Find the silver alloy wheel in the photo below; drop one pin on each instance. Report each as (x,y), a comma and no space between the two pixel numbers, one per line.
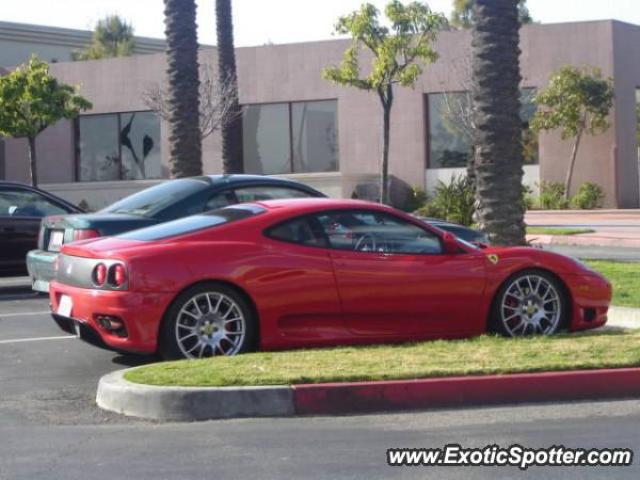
(531,304)
(208,324)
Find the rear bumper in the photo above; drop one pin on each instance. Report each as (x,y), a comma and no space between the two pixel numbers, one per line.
(40,266)
(140,313)
(591,295)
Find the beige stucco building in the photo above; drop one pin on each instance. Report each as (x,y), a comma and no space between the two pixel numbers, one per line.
(297,124)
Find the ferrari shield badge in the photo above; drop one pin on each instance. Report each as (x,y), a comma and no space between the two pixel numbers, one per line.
(493,258)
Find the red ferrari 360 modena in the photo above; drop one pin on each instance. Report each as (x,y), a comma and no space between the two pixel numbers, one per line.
(311,272)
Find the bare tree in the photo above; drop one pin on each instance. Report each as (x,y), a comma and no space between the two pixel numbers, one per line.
(216,101)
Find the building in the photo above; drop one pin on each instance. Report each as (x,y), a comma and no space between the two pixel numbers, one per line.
(18,41)
(298,125)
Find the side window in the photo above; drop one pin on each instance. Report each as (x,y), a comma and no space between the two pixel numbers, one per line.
(255,194)
(303,231)
(219,200)
(24,203)
(368,231)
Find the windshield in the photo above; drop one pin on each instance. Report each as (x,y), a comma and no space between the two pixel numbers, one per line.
(193,223)
(151,201)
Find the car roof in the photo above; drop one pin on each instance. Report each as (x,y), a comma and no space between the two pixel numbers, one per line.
(237,179)
(11,184)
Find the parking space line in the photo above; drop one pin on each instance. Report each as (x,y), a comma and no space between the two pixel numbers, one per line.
(35,339)
(23,314)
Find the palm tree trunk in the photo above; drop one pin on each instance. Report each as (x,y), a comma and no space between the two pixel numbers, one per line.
(185,141)
(572,163)
(231,128)
(386,97)
(498,134)
(33,161)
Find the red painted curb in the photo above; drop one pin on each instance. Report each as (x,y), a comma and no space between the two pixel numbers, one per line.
(356,397)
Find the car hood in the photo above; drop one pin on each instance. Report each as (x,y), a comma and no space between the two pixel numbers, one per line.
(105,223)
(535,257)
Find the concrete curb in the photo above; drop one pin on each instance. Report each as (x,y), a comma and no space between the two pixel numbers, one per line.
(623,317)
(589,240)
(465,391)
(193,403)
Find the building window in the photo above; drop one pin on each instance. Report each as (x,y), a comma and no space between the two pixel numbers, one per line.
(118,146)
(451,130)
(299,137)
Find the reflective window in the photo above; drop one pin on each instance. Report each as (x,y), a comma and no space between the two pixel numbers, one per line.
(366,231)
(24,203)
(99,157)
(220,200)
(450,135)
(119,146)
(256,194)
(451,129)
(303,231)
(193,223)
(265,133)
(291,137)
(140,145)
(314,136)
(529,137)
(152,201)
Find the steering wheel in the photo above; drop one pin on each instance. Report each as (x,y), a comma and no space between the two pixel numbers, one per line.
(366,243)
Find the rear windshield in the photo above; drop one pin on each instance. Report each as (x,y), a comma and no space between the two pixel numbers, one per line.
(149,202)
(194,223)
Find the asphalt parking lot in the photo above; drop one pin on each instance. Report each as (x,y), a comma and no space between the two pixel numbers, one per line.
(50,427)
(47,375)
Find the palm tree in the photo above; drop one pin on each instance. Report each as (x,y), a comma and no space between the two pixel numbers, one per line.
(496,97)
(112,37)
(185,143)
(230,130)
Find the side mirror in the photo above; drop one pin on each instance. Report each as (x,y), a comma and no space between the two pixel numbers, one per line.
(450,243)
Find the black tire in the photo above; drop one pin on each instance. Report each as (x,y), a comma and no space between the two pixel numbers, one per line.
(168,345)
(497,323)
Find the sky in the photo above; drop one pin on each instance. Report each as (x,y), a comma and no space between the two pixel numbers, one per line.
(274,21)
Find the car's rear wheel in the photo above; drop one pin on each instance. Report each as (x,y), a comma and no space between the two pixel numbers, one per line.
(531,302)
(206,320)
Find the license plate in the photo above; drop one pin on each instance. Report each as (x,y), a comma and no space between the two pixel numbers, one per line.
(55,240)
(65,306)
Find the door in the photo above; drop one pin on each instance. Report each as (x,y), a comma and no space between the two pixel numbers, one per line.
(21,211)
(394,277)
(299,285)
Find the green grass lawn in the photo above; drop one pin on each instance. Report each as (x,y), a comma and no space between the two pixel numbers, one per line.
(482,355)
(625,278)
(557,231)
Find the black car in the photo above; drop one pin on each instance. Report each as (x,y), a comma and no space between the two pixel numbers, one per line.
(157,204)
(22,208)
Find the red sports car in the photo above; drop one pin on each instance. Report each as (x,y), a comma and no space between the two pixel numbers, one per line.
(311,272)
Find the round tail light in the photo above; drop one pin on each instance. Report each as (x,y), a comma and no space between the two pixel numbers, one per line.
(118,275)
(100,274)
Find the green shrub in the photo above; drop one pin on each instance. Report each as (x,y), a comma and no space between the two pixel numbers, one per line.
(417,199)
(552,196)
(528,198)
(454,202)
(588,197)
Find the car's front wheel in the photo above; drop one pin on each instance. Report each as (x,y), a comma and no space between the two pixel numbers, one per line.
(529,303)
(206,320)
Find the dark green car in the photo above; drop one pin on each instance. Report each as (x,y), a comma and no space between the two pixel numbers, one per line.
(161,203)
